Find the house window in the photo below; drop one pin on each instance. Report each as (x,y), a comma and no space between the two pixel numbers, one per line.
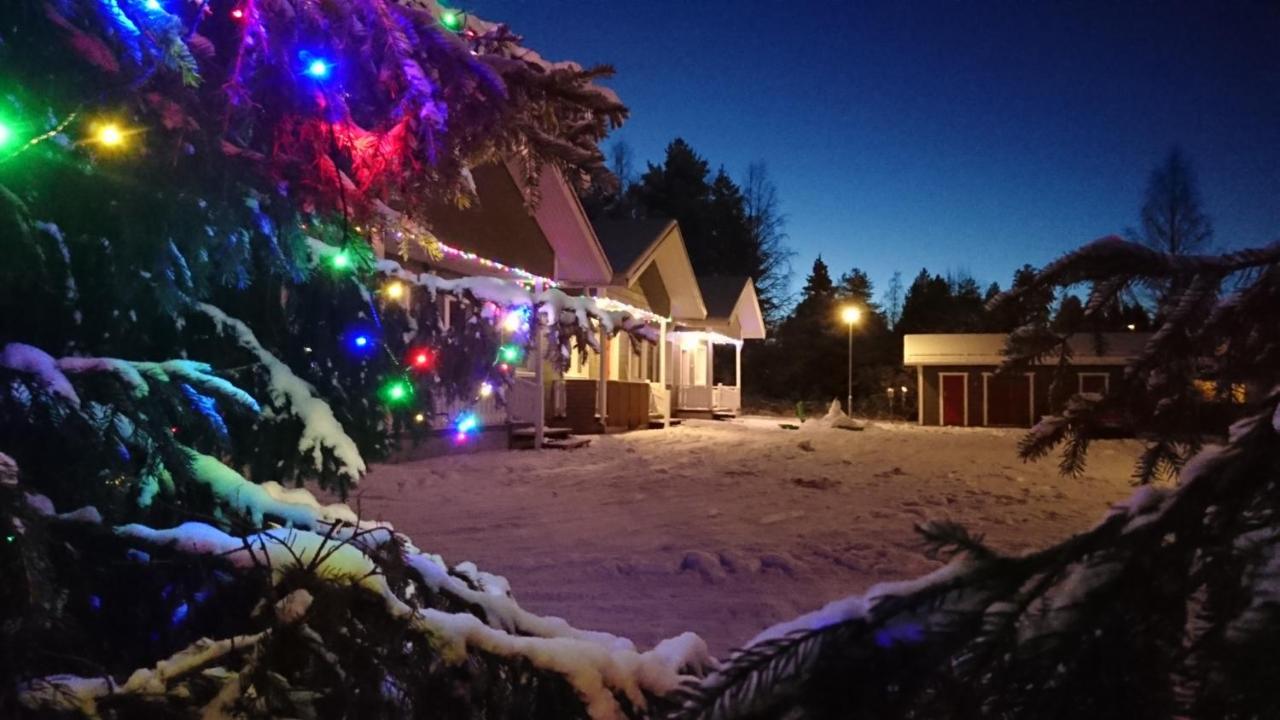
(1094,383)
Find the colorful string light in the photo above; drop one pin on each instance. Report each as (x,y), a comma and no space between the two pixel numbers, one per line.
(465,424)
(397,392)
(420,359)
(612,305)
(452,20)
(109,135)
(394,290)
(6,134)
(513,320)
(495,265)
(318,69)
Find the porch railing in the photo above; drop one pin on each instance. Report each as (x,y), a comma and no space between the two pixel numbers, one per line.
(708,397)
(727,397)
(522,400)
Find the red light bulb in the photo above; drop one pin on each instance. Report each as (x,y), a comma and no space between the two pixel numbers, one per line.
(237,14)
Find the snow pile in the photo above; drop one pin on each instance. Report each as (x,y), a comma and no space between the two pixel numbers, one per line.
(320,429)
(835,418)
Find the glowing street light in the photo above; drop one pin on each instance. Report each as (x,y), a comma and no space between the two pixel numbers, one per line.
(850,314)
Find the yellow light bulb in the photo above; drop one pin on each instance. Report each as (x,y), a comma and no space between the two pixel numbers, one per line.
(110,135)
(395,290)
(850,315)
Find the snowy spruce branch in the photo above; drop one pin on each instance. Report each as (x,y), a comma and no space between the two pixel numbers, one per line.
(609,676)
(1002,627)
(322,435)
(1205,337)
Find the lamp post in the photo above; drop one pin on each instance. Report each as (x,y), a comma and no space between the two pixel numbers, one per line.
(850,314)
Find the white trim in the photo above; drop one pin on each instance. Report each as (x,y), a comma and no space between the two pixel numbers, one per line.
(1106,381)
(920,395)
(1031,402)
(986,398)
(942,396)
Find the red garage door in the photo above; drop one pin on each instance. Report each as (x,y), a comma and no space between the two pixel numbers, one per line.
(1008,401)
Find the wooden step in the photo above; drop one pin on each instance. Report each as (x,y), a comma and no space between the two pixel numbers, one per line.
(570,443)
(548,433)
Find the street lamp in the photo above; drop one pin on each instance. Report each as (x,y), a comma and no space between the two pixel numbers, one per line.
(851,315)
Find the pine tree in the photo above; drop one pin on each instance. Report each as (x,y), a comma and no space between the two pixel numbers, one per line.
(1166,608)
(893,298)
(927,305)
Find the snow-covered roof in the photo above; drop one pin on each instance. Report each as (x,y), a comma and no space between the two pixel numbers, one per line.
(1117,348)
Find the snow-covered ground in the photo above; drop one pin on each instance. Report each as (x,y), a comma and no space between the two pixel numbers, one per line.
(724,528)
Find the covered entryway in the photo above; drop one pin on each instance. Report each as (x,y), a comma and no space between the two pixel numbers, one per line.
(1007,400)
(954,398)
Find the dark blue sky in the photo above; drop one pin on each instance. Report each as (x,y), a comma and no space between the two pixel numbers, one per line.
(967,135)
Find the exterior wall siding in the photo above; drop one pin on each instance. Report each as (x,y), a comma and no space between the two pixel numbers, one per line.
(931,388)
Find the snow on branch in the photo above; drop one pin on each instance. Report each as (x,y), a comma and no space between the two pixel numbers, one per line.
(52,373)
(598,671)
(321,430)
(297,507)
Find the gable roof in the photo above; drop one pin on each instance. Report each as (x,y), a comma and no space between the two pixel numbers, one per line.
(725,295)
(721,293)
(628,243)
(579,257)
(635,246)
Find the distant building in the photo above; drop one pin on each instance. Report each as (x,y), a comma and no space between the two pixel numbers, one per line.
(957,385)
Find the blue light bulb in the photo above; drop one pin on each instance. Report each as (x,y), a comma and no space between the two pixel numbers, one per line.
(318,69)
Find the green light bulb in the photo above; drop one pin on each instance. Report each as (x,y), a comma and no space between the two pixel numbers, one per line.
(452,20)
(396,391)
(6,134)
(341,261)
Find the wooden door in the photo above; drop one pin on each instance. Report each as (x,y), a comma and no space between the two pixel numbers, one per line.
(953,399)
(1008,401)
